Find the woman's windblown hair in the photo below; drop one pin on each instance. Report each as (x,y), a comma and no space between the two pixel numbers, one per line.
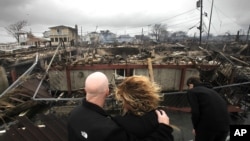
(138,95)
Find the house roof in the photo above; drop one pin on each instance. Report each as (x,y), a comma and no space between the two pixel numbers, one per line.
(51,127)
(62,26)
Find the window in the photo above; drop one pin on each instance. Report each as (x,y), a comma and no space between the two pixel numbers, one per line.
(124,72)
(65,39)
(52,39)
(120,72)
(59,31)
(56,39)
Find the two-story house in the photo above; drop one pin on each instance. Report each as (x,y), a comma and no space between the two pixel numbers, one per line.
(67,35)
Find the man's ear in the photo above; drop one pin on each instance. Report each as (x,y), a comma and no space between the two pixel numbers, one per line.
(107,92)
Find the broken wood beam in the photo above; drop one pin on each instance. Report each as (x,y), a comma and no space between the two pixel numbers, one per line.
(150,70)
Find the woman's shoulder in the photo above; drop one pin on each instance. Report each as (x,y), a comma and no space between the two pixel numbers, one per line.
(138,125)
(128,118)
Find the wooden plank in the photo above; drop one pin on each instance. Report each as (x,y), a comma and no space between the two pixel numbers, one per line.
(150,70)
(13,135)
(34,130)
(60,124)
(31,86)
(20,108)
(16,99)
(58,129)
(27,135)
(16,133)
(7,104)
(49,134)
(23,95)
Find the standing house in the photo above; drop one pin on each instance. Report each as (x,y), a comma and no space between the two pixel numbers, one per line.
(125,39)
(104,37)
(36,41)
(107,37)
(67,35)
(92,38)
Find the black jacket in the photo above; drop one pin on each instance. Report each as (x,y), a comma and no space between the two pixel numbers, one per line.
(141,126)
(209,109)
(91,123)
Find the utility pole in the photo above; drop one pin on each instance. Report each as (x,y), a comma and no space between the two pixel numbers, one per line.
(247,41)
(210,19)
(81,36)
(201,5)
(248,35)
(142,35)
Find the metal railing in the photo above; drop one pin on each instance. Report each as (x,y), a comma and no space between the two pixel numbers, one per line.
(21,79)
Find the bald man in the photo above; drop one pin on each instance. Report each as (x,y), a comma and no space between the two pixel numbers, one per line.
(90,122)
(97,88)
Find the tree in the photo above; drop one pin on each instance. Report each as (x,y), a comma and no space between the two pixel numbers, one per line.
(178,35)
(159,32)
(15,29)
(164,35)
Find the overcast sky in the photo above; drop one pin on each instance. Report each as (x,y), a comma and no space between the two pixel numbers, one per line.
(124,16)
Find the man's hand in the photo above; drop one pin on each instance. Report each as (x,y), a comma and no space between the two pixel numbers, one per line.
(162,117)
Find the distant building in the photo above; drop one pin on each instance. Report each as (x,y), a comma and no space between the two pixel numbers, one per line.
(125,39)
(232,38)
(139,39)
(85,39)
(22,37)
(30,40)
(107,37)
(46,34)
(91,38)
(36,41)
(178,36)
(65,34)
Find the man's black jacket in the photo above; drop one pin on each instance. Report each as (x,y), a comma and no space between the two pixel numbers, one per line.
(91,123)
(209,109)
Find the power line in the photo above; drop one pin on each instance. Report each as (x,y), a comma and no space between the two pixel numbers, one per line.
(160,21)
(174,16)
(184,22)
(217,9)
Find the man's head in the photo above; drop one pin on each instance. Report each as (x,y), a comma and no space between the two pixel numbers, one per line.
(193,81)
(96,86)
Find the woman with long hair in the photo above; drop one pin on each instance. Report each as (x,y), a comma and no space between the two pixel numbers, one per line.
(139,98)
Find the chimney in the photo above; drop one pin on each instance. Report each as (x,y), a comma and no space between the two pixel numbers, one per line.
(76,30)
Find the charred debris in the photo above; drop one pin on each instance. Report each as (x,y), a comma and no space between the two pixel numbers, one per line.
(49,80)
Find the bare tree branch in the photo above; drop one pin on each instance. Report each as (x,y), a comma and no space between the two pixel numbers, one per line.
(16,29)
(159,31)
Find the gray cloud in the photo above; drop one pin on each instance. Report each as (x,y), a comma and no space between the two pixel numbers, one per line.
(42,14)
(12,10)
